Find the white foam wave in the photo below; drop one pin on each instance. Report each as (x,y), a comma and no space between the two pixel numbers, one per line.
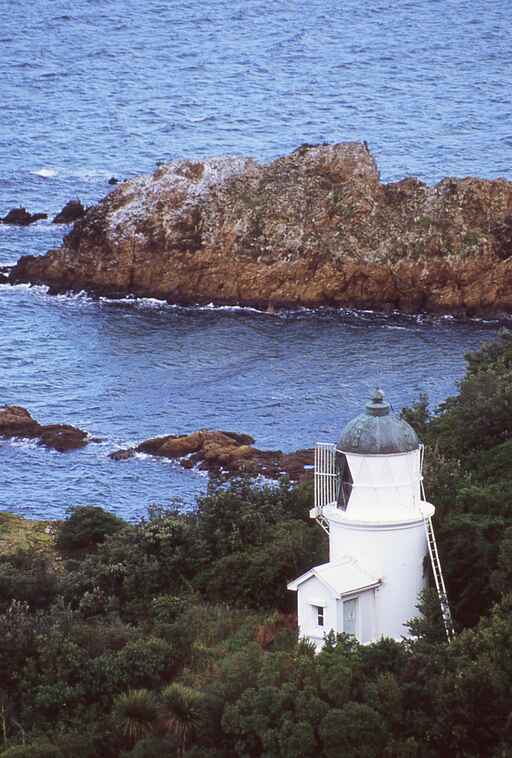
(47,172)
(84,173)
(36,289)
(234,309)
(70,296)
(151,302)
(141,303)
(201,119)
(368,316)
(24,442)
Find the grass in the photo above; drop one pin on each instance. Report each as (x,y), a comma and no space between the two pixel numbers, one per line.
(18,533)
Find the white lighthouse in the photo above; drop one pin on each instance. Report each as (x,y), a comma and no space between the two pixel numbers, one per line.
(369,498)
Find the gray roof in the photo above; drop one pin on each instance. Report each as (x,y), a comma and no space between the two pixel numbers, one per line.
(344,577)
(378,431)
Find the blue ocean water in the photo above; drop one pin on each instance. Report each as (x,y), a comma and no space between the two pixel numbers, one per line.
(107,88)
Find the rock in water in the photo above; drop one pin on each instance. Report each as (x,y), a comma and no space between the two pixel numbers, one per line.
(122,455)
(225,453)
(72,211)
(62,437)
(316,227)
(16,421)
(21,217)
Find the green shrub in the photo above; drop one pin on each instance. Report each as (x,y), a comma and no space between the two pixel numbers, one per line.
(146,662)
(134,714)
(85,528)
(27,577)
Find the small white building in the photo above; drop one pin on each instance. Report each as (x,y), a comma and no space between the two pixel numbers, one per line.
(368,498)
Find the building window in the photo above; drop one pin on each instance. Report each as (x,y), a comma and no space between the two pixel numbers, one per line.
(350,620)
(345,480)
(319,615)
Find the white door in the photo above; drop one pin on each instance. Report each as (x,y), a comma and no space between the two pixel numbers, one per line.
(350,616)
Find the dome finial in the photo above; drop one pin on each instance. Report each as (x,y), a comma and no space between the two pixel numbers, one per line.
(377,406)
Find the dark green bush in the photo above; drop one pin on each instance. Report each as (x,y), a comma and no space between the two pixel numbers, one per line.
(27,577)
(85,528)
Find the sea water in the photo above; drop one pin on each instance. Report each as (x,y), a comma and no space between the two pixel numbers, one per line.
(110,88)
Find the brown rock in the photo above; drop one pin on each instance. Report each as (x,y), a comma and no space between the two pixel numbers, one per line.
(316,227)
(228,453)
(241,439)
(16,421)
(21,217)
(177,447)
(72,211)
(63,437)
(172,446)
(122,455)
(299,465)
(152,446)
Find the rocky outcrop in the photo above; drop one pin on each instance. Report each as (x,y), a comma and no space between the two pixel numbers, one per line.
(16,421)
(316,227)
(72,211)
(21,217)
(225,453)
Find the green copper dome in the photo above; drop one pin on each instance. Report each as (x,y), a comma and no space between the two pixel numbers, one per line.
(377,431)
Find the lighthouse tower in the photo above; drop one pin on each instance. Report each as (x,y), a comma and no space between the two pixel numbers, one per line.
(369,499)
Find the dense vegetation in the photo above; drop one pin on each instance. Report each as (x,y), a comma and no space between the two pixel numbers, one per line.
(176,637)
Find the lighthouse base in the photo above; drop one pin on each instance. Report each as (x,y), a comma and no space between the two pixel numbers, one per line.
(370,588)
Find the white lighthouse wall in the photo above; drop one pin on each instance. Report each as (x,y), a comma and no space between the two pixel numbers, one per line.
(310,594)
(393,553)
(384,486)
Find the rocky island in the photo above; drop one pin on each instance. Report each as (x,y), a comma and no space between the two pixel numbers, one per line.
(16,421)
(313,228)
(225,453)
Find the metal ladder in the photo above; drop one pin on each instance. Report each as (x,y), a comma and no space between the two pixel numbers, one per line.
(326,480)
(438,578)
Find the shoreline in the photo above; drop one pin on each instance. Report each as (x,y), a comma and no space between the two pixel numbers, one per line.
(262,307)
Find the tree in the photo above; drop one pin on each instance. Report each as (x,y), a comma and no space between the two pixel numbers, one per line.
(297,740)
(501,579)
(181,709)
(480,416)
(418,416)
(469,546)
(134,714)
(355,730)
(85,528)
(29,577)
